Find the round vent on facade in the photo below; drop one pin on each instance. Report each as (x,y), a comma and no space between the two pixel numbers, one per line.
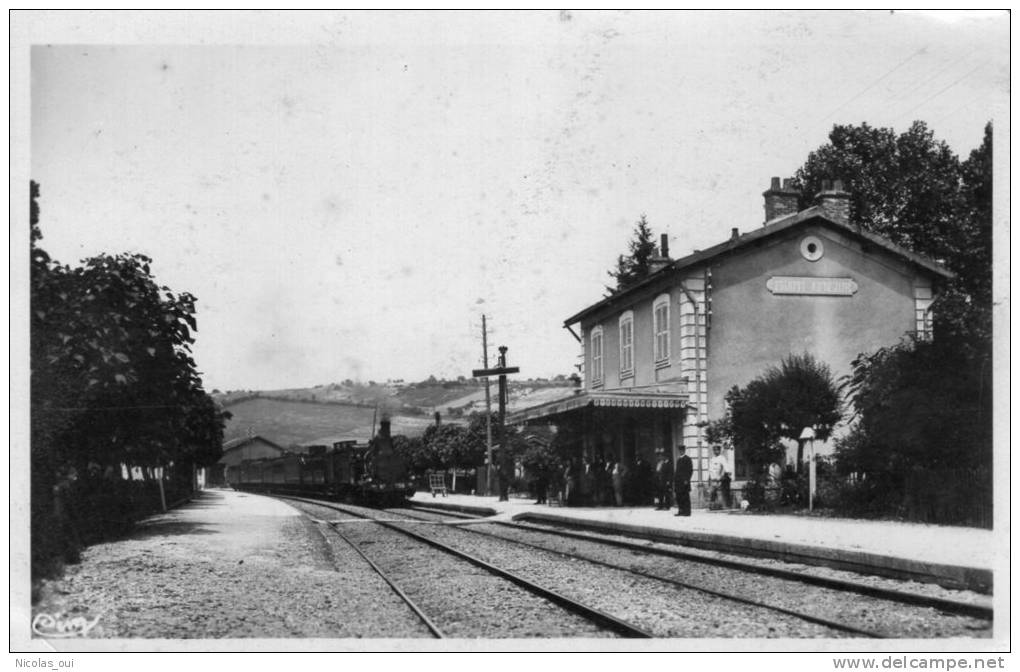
(811,248)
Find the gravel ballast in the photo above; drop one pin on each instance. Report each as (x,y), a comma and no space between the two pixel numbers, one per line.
(463,600)
(867,613)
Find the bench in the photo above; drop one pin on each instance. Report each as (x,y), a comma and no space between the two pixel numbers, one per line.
(437,483)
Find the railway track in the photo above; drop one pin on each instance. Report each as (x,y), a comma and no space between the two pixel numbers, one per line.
(429,624)
(976,618)
(970,609)
(600,623)
(680,592)
(825,622)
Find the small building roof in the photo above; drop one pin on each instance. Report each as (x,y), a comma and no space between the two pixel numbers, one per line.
(231,448)
(245,440)
(814,214)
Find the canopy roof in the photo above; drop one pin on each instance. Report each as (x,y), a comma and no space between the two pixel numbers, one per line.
(616,399)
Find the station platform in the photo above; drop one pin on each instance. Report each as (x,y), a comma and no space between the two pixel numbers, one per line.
(955,557)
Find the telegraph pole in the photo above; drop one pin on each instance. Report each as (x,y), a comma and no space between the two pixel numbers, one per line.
(488,412)
(505,460)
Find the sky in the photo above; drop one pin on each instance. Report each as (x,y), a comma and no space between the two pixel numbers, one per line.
(347,193)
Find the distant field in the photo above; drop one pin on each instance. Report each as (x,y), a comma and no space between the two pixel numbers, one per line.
(430,396)
(288,422)
(303,415)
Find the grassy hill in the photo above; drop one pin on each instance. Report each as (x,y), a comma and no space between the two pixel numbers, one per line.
(302,415)
(288,422)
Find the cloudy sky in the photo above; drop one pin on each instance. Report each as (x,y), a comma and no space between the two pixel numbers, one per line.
(348,193)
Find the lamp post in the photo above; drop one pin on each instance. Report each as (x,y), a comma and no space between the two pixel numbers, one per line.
(809,435)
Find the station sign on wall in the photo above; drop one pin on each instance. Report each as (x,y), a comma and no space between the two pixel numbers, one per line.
(811,286)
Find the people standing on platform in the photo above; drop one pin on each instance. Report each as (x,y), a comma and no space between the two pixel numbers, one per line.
(619,476)
(586,486)
(724,486)
(570,477)
(598,481)
(682,482)
(644,489)
(718,477)
(663,480)
(541,486)
(773,479)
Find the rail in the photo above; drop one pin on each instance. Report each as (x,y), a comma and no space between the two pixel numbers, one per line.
(957,607)
(608,621)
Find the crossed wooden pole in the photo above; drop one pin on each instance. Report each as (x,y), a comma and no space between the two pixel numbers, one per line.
(506,466)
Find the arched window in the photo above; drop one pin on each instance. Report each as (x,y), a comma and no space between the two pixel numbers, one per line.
(660,322)
(627,344)
(596,355)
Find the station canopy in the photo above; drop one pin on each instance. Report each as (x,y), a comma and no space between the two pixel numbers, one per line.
(598,399)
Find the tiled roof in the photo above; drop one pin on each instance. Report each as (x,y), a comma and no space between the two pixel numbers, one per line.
(812,214)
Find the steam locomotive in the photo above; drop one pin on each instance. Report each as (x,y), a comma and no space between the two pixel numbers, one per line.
(370,473)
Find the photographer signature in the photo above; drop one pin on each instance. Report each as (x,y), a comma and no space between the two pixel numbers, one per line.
(46,625)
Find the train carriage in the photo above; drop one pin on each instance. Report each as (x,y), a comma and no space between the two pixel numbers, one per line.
(369,473)
(313,473)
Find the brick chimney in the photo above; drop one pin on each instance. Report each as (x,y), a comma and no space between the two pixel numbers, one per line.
(660,257)
(780,200)
(834,202)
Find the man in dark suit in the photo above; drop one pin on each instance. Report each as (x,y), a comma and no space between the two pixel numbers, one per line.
(663,476)
(682,482)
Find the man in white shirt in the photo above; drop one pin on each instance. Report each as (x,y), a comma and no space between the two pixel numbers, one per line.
(718,477)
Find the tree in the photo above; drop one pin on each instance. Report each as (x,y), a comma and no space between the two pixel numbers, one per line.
(904,187)
(541,460)
(917,405)
(112,378)
(475,438)
(800,392)
(912,189)
(974,264)
(806,395)
(635,266)
(119,345)
(921,446)
(445,443)
(415,454)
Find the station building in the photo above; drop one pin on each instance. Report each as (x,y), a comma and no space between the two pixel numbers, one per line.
(659,356)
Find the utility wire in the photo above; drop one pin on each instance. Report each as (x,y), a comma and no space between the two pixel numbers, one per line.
(970,102)
(875,83)
(907,91)
(946,88)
